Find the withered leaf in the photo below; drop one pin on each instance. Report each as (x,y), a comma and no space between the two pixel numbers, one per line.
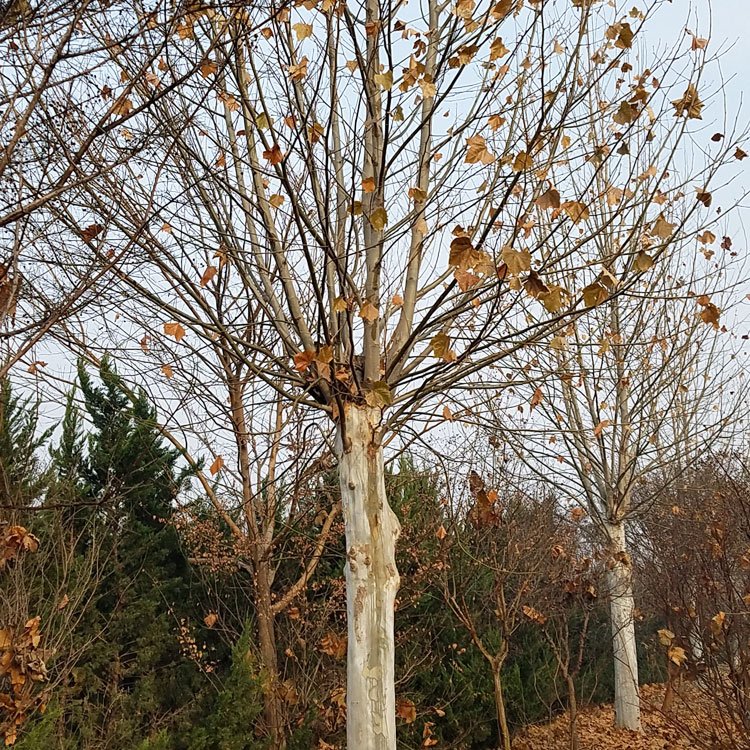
(594,294)
(379,219)
(379,394)
(689,105)
(576,210)
(477,151)
(174,329)
(549,199)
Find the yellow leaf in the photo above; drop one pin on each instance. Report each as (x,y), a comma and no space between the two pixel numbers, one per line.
(517,261)
(302,30)
(498,49)
(298,71)
(621,34)
(385,80)
(534,614)
(428,87)
(661,228)
(379,219)
(440,344)
(576,210)
(665,636)
(614,196)
(676,654)
(262,121)
(379,394)
(554,299)
(369,312)
(625,114)
(496,121)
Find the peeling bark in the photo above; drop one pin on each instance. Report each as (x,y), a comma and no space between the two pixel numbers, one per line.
(620,580)
(372,581)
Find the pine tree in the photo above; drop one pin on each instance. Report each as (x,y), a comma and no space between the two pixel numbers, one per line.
(135,673)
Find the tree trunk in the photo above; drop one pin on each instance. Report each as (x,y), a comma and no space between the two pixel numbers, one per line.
(620,579)
(267,641)
(572,712)
(502,719)
(672,675)
(371,582)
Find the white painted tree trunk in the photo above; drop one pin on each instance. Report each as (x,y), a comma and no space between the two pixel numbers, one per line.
(620,580)
(372,581)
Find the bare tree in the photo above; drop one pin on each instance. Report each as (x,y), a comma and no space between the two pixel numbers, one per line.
(512,543)
(363,187)
(699,583)
(636,391)
(63,127)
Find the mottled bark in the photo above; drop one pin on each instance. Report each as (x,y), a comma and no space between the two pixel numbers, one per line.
(372,581)
(620,580)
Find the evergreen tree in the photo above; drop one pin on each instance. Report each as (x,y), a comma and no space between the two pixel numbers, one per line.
(135,673)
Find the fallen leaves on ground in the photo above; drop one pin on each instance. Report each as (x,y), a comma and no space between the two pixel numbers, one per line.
(689,725)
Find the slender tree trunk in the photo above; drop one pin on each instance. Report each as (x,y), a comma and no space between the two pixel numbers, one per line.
(620,579)
(371,582)
(267,642)
(572,712)
(502,719)
(672,675)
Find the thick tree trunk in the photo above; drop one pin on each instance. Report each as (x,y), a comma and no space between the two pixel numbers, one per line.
(371,582)
(267,641)
(620,579)
(502,719)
